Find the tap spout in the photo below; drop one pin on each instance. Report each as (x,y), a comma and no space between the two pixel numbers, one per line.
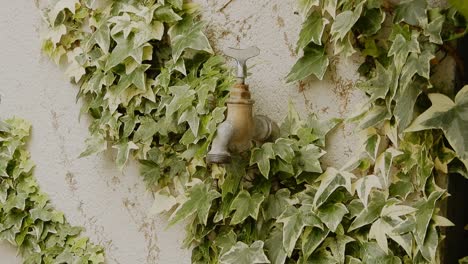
(219,152)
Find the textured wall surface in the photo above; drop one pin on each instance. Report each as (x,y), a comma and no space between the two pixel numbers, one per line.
(111,205)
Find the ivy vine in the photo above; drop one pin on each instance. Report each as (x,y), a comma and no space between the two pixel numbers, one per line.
(27,217)
(148,78)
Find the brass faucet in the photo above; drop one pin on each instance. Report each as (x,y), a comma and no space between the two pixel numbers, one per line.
(237,133)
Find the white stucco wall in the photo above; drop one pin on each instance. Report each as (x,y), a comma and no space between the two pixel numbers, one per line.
(111,205)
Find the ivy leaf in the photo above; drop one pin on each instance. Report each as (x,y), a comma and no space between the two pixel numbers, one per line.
(60,6)
(274,244)
(383,166)
(371,21)
(449,116)
(261,157)
(412,12)
(277,203)
(245,205)
(306,5)
(344,21)
(425,210)
(191,117)
(371,212)
(332,214)
(242,253)
(96,143)
(199,200)
(401,47)
(309,158)
(311,238)
(226,241)
(294,220)
(331,180)
(148,127)
(187,34)
(122,24)
(312,30)
(182,97)
(283,149)
(314,61)
(163,201)
(364,185)
(434,28)
(329,6)
(337,246)
(123,151)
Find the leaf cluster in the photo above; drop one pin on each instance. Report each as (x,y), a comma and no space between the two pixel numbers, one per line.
(28,220)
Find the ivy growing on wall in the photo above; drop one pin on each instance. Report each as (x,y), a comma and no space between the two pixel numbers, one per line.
(154,90)
(27,218)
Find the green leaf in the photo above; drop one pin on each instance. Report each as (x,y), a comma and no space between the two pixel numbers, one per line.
(371,21)
(332,214)
(402,47)
(312,30)
(163,201)
(449,116)
(147,129)
(245,205)
(311,239)
(309,158)
(364,186)
(412,12)
(123,152)
(337,246)
(330,181)
(294,220)
(242,253)
(306,5)
(344,21)
(187,34)
(261,157)
(96,143)
(425,210)
(191,117)
(274,245)
(226,241)
(371,212)
(313,62)
(199,200)
(277,203)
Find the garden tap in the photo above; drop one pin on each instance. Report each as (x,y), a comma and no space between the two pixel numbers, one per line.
(237,133)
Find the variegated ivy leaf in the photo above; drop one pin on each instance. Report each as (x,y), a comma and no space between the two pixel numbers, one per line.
(277,203)
(274,245)
(332,214)
(370,21)
(314,61)
(261,156)
(60,6)
(246,205)
(294,220)
(344,21)
(311,239)
(306,5)
(461,6)
(413,12)
(434,28)
(383,166)
(330,181)
(364,186)
(329,6)
(312,30)
(402,47)
(163,201)
(187,34)
(123,152)
(199,201)
(425,210)
(226,241)
(96,143)
(371,212)
(242,253)
(337,246)
(448,115)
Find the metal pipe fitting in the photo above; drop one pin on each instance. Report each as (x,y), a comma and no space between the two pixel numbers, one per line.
(241,128)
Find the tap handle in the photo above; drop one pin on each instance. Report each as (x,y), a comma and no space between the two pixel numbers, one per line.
(241,56)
